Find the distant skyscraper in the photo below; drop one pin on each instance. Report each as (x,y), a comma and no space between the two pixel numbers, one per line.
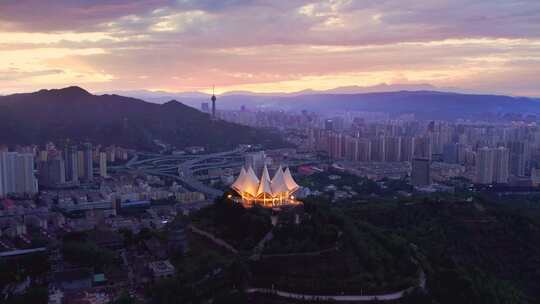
(103,164)
(205,107)
(71,164)
(501,165)
(329,125)
(407,148)
(335,145)
(535,177)
(111,154)
(484,166)
(351,148)
(518,157)
(450,153)
(255,160)
(43,155)
(364,150)
(393,149)
(378,149)
(1,180)
(421,172)
(422,147)
(80,164)
(52,172)
(88,162)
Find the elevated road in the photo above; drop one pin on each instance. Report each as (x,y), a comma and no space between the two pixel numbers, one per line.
(185,166)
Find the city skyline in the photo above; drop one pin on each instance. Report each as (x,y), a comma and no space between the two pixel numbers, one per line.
(179,46)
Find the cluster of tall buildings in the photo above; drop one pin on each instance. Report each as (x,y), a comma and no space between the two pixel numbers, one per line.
(490,153)
(22,170)
(376,148)
(17,174)
(268,119)
(69,166)
(75,164)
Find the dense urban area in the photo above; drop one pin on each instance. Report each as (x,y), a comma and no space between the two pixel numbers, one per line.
(386,209)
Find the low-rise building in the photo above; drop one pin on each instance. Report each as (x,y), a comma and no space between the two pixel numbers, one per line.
(161,269)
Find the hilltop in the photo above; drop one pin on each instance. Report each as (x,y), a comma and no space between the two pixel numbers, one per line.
(73,113)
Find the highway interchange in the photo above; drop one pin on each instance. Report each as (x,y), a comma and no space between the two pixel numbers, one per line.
(184,167)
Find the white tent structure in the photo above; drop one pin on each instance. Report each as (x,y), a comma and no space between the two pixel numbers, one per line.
(265,191)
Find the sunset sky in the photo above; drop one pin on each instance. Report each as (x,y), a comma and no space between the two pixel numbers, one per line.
(269,45)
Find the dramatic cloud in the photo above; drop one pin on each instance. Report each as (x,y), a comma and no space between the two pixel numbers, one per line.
(269,45)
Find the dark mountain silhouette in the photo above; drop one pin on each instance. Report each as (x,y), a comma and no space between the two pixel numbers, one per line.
(73,113)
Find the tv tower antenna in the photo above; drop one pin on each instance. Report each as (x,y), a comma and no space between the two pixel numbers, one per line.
(213,103)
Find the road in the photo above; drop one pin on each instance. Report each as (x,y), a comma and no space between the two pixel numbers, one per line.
(342,298)
(182,167)
(186,173)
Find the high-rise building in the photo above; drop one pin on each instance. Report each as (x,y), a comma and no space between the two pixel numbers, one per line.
(351,148)
(501,165)
(364,150)
(205,107)
(535,177)
(103,164)
(80,164)
(378,149)
(329,125)
(450,153)
(518,157)
(52,172)
(392,149)
(422,147)
(407,148)
(25,179)
(462,148)
(88,162)
(356,149)
(43,155)
(484,166)
(71,162)
(421,172)
(7,171)
(255,160)
(111,154)
(1,179)
(17,173)
(335,145)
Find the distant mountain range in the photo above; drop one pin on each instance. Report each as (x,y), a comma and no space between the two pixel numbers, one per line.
(163,96)
(424,104)
(73,113)
(423,100)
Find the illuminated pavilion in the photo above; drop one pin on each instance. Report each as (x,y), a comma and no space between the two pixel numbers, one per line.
(265,191)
